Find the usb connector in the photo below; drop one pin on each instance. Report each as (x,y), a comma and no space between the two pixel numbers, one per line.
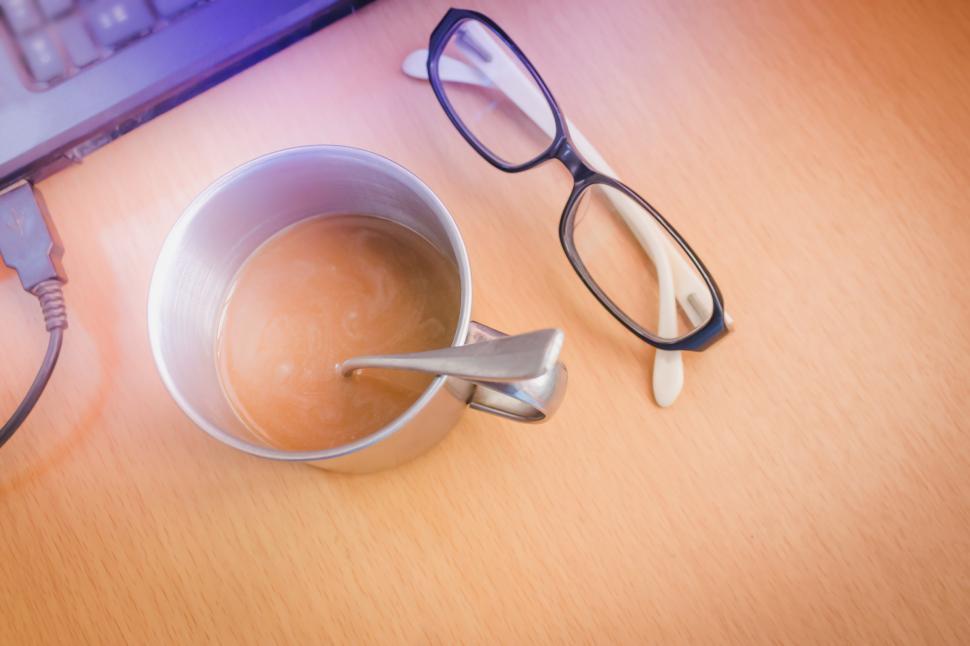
(28,241)
(29,244)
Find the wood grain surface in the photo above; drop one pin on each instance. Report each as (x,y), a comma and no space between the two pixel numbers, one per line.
(811,485)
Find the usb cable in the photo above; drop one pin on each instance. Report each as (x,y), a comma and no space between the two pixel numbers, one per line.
(29,244)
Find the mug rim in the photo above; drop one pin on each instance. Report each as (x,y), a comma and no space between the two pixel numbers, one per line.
(168,257)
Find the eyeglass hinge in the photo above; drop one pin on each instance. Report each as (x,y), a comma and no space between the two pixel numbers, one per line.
(573,161)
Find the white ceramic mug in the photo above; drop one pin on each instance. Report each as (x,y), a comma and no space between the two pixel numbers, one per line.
(240,211)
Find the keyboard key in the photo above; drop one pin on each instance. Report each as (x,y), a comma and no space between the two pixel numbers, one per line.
(42,58)
(115,21)
(54,8)
(78,43)
(22,15)
(169,8)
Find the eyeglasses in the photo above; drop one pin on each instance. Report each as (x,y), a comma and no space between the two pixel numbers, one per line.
(631,259)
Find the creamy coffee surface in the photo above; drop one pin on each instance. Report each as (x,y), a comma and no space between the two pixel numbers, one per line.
(321,291)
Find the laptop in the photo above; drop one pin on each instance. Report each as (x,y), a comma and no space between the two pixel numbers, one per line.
(76,74)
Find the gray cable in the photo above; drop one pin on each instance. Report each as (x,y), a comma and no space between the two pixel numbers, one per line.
(55,317)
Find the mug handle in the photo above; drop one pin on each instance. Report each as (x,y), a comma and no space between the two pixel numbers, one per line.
(531,400)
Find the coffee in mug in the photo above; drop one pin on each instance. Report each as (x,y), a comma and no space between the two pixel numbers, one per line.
(321,291)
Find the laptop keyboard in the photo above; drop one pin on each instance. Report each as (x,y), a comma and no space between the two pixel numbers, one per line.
(57,39)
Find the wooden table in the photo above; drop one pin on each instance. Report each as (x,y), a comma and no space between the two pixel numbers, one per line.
(811,485)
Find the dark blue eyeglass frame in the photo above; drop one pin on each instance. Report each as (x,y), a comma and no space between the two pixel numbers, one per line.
(584,177)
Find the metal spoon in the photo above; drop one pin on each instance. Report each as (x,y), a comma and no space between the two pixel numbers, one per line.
(508,358)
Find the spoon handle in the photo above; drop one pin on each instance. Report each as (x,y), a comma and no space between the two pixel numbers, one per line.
(509,358)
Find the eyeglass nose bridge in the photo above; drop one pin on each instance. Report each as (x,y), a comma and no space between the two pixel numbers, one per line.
(566,152)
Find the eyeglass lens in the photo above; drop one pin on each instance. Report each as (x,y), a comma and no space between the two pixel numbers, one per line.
(494,84)
(638,265)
